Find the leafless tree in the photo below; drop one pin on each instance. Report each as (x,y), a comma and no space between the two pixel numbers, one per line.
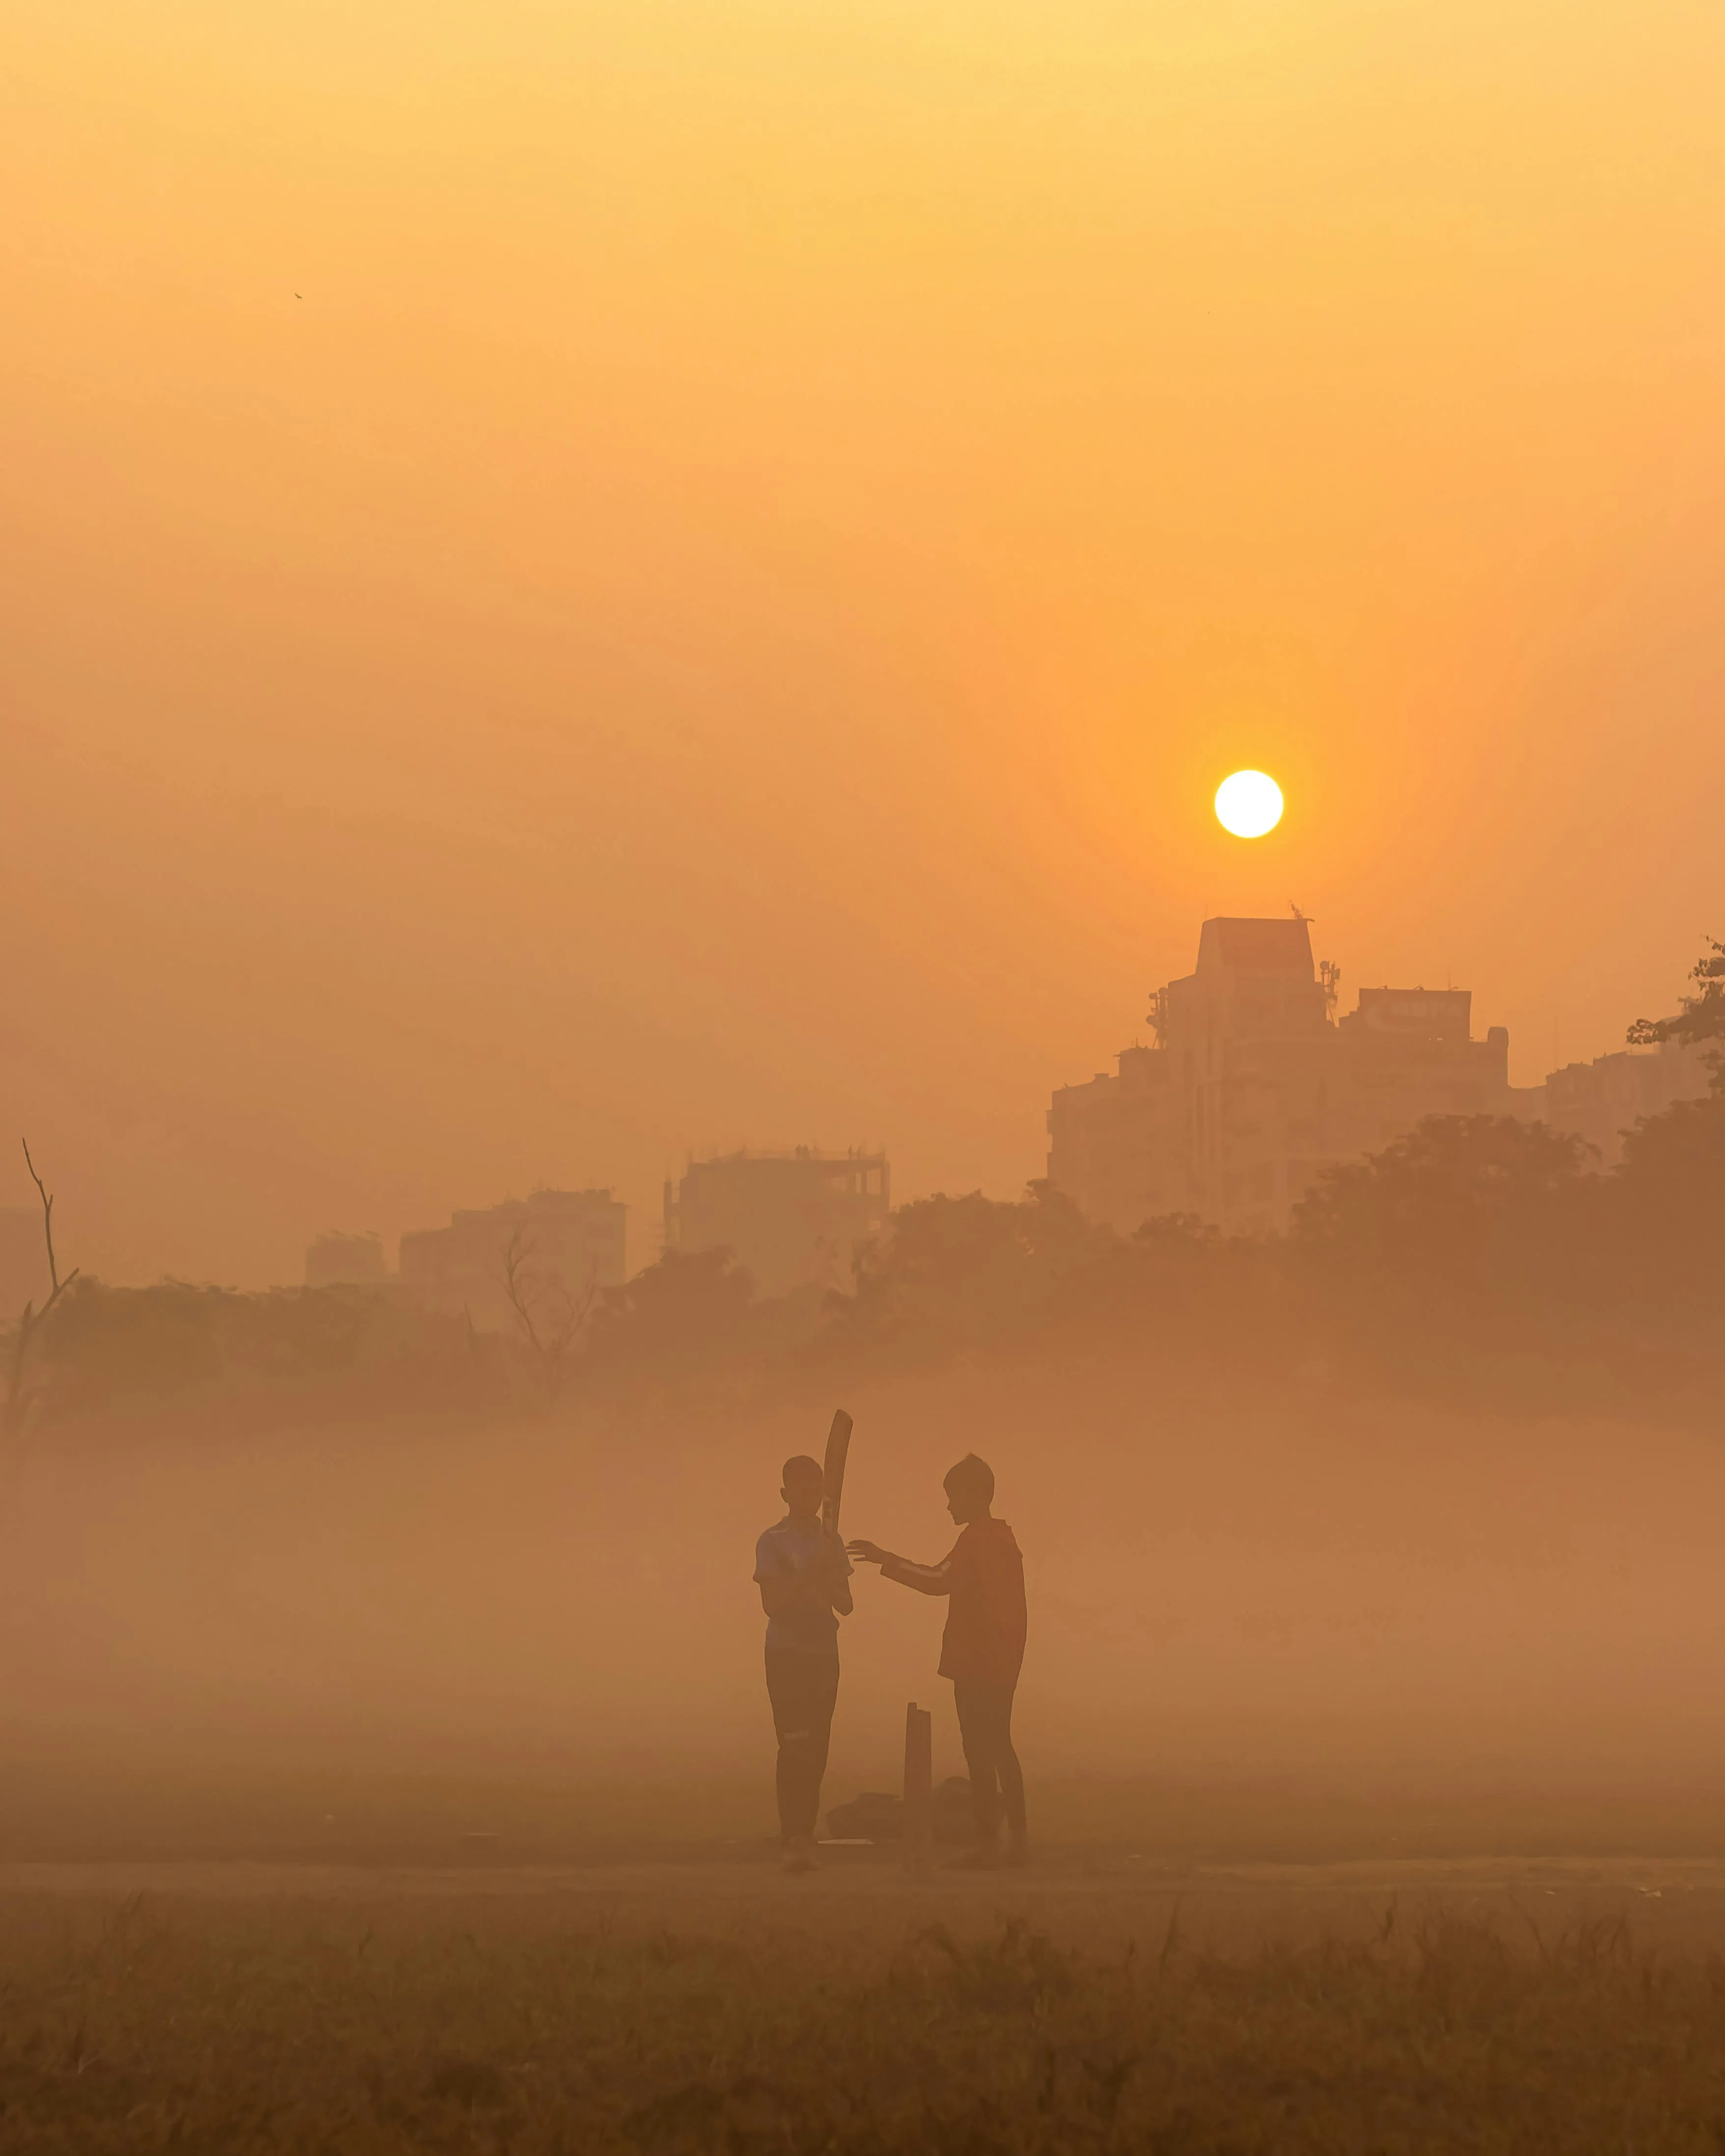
(17,1400)
(552,1320)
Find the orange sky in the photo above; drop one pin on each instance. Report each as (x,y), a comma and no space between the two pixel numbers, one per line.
(581,580)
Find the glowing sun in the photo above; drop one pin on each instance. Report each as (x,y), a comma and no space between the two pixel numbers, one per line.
(1249,803)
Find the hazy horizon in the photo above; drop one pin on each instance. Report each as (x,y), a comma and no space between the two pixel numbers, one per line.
(584,582)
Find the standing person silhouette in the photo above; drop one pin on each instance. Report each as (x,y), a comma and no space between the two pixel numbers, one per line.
(981,1650)
(804,1578)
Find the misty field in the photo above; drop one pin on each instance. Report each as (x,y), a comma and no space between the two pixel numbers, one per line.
(1376,1780)
(860,2015)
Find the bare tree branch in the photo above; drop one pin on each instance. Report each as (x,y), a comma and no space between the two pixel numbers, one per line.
(552,1320)
(17,1401)
(53,1271)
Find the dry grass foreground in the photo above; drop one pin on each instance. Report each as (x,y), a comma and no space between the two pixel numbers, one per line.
(426,2025)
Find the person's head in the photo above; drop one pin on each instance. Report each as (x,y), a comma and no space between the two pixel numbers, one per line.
(970,1489)
(804,1486)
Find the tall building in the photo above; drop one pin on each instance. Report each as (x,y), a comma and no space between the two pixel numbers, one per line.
(1254,1085)
(790,1218)
(337,1259)
(563,1243)
(1601,1100)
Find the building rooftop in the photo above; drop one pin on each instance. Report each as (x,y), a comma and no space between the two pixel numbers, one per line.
(1257,945)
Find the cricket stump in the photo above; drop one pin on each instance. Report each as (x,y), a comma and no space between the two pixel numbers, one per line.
(919,1790)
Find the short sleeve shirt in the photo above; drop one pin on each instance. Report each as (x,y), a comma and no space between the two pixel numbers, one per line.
(784,1550)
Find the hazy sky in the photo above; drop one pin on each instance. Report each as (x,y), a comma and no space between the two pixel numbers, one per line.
(582,581)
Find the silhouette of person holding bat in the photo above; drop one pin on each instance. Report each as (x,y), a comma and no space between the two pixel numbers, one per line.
(982,1648)
(804,1578)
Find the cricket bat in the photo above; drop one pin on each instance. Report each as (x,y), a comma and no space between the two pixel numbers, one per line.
(833,1470)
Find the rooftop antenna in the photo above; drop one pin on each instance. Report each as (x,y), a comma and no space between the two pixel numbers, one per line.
(1307,919)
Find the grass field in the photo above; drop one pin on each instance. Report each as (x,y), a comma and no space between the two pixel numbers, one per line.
(718,2006)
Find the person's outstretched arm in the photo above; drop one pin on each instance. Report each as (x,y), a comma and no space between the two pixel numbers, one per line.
(926,1578)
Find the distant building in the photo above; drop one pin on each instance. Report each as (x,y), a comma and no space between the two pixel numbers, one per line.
(336,1259)
(23,1262)
(568,1241)
(792,1218)
(1601,1100)
(1254,1085)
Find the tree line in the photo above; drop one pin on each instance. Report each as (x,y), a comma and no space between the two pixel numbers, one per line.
(1474,1249)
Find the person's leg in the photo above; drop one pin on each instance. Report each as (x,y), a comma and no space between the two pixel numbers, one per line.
(823,1700)
(1012,1775)
(976,1734)
(787,1689)
(803,1689)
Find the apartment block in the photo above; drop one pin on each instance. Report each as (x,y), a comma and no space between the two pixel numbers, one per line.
(1254,1085)
(564,1241)
(793,1219)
